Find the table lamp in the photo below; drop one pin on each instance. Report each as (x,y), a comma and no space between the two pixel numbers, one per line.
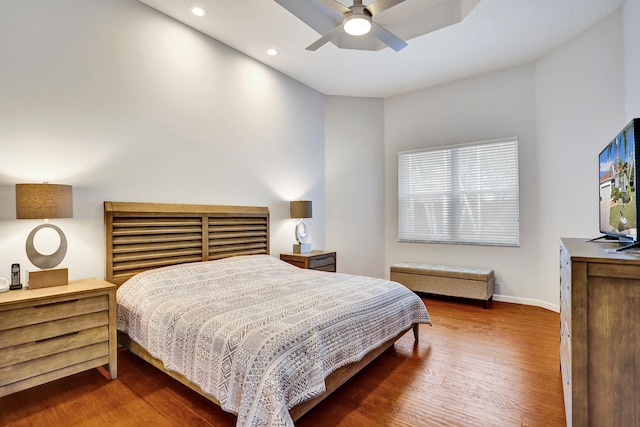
(45,201)
(301,209)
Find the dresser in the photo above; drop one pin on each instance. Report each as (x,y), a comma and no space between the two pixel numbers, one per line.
(50,333)
(599,334)
(314,260)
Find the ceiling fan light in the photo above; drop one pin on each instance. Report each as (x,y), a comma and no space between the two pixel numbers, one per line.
(357,25)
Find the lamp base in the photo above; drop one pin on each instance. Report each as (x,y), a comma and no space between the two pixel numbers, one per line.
(302,248)
(46,278)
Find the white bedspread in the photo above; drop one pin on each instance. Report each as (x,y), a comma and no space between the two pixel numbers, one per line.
(258,334)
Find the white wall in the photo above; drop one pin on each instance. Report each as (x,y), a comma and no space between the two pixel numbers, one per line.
(580,99)
(631,17)
(126,104)
(489,106)
(354,148)
(563,108)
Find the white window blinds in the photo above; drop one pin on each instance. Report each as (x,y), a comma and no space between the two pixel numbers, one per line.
(461,194)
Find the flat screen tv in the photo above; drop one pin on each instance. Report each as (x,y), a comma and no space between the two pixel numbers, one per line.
(618,177)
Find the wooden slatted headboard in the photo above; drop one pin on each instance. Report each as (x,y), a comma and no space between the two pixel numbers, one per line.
(141,236)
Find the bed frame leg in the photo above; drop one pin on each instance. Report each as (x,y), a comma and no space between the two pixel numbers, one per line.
(415,332)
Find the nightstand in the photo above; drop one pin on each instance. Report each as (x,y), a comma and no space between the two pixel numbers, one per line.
(51,333)
(314,260)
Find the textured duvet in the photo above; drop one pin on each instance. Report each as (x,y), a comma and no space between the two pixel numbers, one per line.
(258,334)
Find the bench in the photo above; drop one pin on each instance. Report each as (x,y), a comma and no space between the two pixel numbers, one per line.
(472,283)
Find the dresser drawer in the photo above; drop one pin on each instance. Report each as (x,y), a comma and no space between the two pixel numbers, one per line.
(565,352)
(565,304)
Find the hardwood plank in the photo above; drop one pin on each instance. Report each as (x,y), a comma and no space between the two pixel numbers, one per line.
(473,367)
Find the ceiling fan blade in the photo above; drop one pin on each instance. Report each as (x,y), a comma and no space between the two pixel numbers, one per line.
(382,5)
(387,37)
(326,38)
(337,6)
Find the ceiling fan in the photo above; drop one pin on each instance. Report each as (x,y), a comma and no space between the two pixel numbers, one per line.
(356,20)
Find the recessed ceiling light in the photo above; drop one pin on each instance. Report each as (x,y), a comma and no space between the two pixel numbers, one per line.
(272,52)
(198,10)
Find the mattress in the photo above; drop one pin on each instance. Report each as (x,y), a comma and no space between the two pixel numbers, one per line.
(258,334)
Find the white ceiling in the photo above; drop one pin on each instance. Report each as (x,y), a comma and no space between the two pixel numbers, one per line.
(496,34)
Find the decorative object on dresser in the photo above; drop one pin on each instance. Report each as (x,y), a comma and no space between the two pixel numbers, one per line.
(50,333)
(301,209)
(45,201)
(472,283)
(599,333)
(314,260)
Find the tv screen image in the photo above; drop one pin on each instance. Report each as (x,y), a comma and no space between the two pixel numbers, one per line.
(618,201)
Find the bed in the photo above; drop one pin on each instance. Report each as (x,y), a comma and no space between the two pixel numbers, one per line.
(271,340)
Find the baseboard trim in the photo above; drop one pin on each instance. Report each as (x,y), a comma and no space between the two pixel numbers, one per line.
(527,301)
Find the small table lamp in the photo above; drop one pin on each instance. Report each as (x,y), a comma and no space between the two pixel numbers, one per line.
(301,209)
(45,201)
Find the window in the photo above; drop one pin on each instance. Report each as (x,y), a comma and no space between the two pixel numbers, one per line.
(460,194)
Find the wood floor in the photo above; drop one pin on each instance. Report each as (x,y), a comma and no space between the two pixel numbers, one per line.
(473,367)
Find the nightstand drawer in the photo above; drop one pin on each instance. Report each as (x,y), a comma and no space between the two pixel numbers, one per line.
(51,329)
(40,366)
(45,347)
(327,262)
(314,260)
(45,312)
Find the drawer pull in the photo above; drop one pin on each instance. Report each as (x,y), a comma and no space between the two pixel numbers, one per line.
(57,337)
(55,303)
